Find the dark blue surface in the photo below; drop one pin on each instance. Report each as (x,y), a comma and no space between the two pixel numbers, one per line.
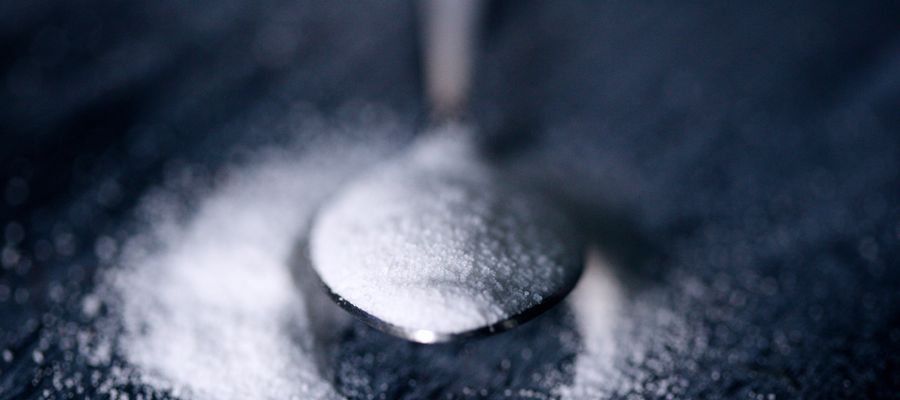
(749,149)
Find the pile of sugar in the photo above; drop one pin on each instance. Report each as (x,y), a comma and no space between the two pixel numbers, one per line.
(207,302)
(211,311)
(436,241)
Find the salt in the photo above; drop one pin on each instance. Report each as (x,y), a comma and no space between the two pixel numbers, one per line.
(437,242)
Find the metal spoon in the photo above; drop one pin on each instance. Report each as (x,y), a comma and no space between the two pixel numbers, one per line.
(437,244)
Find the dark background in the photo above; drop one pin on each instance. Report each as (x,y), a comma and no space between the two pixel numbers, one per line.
(755,146)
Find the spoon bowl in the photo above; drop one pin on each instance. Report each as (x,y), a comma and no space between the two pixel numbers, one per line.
(437,245)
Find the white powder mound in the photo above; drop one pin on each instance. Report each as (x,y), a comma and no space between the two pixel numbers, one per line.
(213,313)
(436,241)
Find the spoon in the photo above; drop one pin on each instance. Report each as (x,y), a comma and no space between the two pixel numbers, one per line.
(437,244)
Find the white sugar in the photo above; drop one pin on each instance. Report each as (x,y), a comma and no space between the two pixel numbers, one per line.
(211,311)
(437,241)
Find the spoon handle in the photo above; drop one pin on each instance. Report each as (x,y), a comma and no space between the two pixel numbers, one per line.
(448,29)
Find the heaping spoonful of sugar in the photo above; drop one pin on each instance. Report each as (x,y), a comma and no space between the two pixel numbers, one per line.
(436,244)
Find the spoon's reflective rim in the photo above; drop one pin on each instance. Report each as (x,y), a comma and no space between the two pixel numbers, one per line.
(426,336)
